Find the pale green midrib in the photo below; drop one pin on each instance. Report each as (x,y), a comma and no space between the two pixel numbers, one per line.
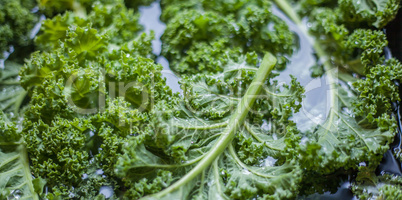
(8,96)
(187,163)
(12,170)
(19,186)
(27,171)
(5,162)
(10,82)
(22,156)
(323,57)
(227,136)
(8,74)
(19,100)
(216,176)
(202,185)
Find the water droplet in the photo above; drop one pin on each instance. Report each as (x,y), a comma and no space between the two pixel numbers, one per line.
(274,136)
(107,191)
(84,176)
(99,172)
(347,110)
(265,125)
(269,161)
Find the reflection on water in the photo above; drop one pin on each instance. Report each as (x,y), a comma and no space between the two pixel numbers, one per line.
(315,106)
(342,193)
(150,20)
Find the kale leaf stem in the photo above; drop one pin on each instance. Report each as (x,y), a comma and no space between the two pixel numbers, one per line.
(268,63)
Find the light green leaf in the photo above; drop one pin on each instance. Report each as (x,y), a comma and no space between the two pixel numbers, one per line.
(15,175)
(12,94)
(212,140)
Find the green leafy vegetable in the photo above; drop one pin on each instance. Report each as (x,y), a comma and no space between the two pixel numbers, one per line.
(89,114)
(342,141)
(12,94)
(114,20)
(196,30)
(349,137)
(91,111)
(99,86)
(16,22)
(203,139)
(15,176)
(81,7)
(370,186)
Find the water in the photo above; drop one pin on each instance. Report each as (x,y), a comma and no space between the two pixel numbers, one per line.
(106,191)
(269,161)
(150,20)
(36,28)
(389,165)
(315,106)
(343,193)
